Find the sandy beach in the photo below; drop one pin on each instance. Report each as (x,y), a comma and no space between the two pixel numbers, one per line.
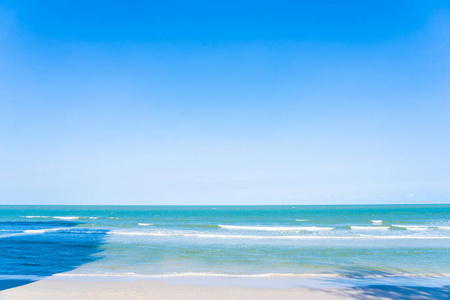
(152,289)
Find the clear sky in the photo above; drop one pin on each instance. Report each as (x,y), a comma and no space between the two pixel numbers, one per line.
(224,102)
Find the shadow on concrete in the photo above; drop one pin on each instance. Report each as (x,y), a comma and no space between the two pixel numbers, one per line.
(33,250)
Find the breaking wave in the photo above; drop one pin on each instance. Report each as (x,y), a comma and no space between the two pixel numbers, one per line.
(275,228)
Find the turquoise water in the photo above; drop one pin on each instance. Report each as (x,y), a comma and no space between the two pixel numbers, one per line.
(357,242)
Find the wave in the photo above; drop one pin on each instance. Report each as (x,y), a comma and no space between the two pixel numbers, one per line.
(369,227)
(32,231)
(422,227)
(37,231)
(66,218)
(377,222)
(60,217)
(258,275)
(413,227)
(10,235)
(288,237)
(195,274)
(199,226)
(145,224)
(301,220)
(275,228)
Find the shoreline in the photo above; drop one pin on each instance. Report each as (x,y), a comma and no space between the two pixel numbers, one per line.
(155,289)
(269,281)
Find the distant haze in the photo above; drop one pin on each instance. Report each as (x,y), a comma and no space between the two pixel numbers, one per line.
(224,102)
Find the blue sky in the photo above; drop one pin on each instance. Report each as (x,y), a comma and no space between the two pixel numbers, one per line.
(230,102)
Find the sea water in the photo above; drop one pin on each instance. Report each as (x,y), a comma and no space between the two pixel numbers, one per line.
(281,245)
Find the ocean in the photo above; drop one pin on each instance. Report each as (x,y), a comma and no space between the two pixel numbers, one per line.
(273,246)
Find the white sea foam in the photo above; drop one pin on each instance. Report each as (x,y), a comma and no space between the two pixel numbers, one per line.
(275,228)
(60,217)
(301,220)
(227,275)
(66,218)
(10,235)
(31,231)
(145,224)
(288,237)
(369,227)
(377,222)
(413,227)
(195,274)
(444,227)
(37,231)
